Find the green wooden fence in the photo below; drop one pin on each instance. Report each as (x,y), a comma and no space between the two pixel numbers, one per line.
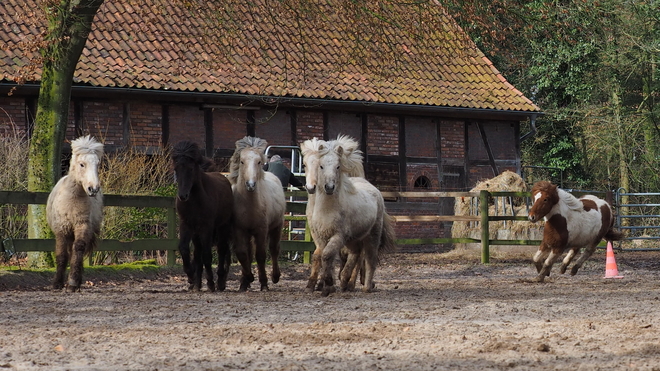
(169,244)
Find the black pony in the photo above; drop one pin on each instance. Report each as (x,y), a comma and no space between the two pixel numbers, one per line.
(204,203)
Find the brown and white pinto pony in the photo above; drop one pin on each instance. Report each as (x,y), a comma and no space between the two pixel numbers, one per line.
(570,223)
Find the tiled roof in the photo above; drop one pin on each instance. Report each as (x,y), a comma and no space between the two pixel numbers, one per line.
(260,48)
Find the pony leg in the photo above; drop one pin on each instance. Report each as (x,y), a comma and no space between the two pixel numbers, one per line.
(274,247)
(202,260)
(370,261)
(539,257)
(316,267)
(547,266)
(347,275)
(84,237)
(185,236)
(260,255)
(585,255)
(327,264)
(62,247)
(567,259)
(224,258)
(244,255)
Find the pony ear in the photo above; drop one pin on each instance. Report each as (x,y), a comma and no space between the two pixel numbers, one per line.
(340,150)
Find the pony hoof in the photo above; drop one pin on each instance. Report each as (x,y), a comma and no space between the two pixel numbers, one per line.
(539,278)
(264,288)
(275,277)
(574,271)
(211,287)
(222,286)
(328,290)
(562,270)
(72,288)
(58,286)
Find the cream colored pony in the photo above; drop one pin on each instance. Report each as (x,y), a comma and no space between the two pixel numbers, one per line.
(259,206)
(310,150)
(347,211)
(75,211)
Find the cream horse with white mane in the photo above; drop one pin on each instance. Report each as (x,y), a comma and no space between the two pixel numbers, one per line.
(310,150)
(346,212)
(75,211)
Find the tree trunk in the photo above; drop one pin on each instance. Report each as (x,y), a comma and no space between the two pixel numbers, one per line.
(69,24)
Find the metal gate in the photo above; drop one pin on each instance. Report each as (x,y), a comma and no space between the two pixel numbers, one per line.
(638,216)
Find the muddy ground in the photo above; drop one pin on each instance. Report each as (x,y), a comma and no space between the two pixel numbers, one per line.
(431,312)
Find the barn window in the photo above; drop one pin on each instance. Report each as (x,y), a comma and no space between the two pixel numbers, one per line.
(422,182)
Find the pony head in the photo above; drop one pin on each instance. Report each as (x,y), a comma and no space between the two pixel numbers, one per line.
(86,154)
(339,158)
(186,159)
(545,197)
(247,163)
(310,151)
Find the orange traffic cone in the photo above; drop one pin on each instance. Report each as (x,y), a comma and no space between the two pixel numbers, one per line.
(611,270)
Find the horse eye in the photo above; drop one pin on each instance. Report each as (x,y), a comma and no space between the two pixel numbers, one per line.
(82,165)
(321,167)
(241,162)
(337,167)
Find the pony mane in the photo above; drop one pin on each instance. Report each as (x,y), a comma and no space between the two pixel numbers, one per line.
(186,148)
(351,160)
(241,144)
(87,145)
(311,146)
(571,201)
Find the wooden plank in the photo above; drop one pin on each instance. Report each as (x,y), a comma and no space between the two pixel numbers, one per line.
(297,246)
(436,218)
(296,207)
(23,198)
(40,244)
(429,194)
(434,241)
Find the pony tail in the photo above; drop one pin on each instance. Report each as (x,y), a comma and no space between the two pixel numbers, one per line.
(387,236)
(614,235)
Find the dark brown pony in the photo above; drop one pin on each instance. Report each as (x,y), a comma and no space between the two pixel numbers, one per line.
(204,203)
(570,224)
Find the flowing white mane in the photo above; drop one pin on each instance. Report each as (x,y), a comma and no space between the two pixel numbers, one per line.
(87,145)
(571,201)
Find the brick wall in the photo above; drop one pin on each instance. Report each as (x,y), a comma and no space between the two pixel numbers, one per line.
(383,135)
(274,127)
(345,124)
(102,120)
(309,125)
(421,137)
(452,139)
(228,127)
(12,116)
(187,123)
(146,124)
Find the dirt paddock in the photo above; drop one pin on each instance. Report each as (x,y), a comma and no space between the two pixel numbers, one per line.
(430,312)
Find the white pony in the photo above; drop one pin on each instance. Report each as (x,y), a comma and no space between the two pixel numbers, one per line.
(310,150)
(259,206)
(347,211)
(75,211)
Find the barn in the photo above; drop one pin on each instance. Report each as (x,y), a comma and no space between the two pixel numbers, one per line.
(429,109)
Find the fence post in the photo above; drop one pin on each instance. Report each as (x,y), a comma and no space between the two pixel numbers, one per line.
(171,233)
(485,235)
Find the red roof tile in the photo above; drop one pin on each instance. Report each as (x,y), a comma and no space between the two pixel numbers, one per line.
(257,48)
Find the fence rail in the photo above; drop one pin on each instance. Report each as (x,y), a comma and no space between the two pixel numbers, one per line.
(169,244)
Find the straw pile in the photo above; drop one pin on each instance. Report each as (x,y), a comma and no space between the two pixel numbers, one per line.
(504,230)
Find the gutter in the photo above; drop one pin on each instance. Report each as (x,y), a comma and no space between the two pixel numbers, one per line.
(243,101)
(532,132)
